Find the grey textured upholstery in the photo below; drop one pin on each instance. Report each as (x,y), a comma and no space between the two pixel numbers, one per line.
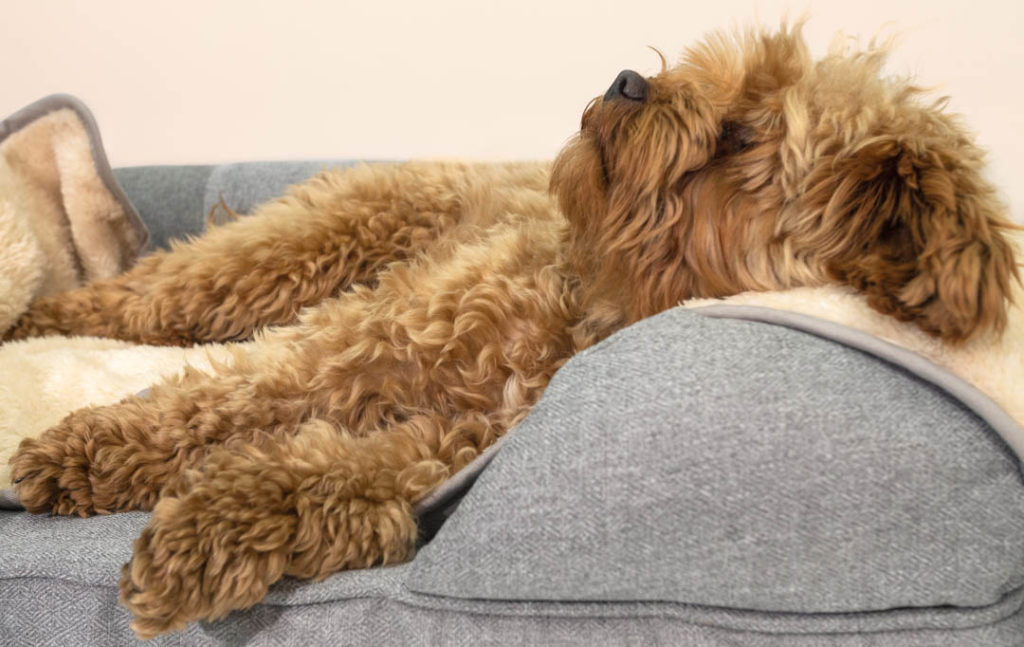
(168,198)
(689,481)
(245,186)
(739,465)
(178,201)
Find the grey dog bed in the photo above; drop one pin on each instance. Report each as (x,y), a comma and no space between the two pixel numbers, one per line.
(699,478)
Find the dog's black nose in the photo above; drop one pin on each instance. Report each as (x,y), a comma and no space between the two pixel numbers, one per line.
(627,85)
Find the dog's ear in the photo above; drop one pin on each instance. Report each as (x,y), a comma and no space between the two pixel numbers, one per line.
(912,224)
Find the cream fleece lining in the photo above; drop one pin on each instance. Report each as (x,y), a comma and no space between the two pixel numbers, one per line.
(44,379)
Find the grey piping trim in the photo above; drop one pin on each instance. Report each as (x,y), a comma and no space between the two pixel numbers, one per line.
(55,102)
(970,396)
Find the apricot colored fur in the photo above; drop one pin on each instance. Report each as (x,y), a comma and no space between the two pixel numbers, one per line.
(406,316)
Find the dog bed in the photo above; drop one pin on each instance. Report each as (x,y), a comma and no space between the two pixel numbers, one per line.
(694,479)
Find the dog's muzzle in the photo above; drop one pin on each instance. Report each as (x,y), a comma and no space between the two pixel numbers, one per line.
(627,85)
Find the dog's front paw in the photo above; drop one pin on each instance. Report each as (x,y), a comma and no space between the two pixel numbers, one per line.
(222,534)
(51,473)
(199,559)
(96,461)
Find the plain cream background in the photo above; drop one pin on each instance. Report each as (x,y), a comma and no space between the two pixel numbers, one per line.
(207,81)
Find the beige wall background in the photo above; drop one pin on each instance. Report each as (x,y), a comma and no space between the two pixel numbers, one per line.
(206,81)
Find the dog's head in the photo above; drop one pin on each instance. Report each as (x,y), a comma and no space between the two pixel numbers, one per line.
(750,167)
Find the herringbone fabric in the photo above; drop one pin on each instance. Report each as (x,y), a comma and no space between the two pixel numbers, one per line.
(740,465)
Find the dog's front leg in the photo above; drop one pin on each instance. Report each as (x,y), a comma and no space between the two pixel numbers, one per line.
(328,234)
(312,504)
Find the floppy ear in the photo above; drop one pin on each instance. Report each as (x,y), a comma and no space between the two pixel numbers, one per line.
(918,231)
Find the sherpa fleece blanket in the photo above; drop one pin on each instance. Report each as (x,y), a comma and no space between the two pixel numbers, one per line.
(63,221)
(42,380)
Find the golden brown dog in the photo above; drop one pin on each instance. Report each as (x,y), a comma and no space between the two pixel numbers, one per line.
(406,316)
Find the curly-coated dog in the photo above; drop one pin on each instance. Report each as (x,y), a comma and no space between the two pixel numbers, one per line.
(406,316)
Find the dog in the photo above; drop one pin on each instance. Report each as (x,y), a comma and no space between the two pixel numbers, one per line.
(406,316)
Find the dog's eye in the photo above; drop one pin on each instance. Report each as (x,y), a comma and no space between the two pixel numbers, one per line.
(733,138)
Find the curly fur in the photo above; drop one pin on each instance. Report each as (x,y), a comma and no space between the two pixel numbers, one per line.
(406,316)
